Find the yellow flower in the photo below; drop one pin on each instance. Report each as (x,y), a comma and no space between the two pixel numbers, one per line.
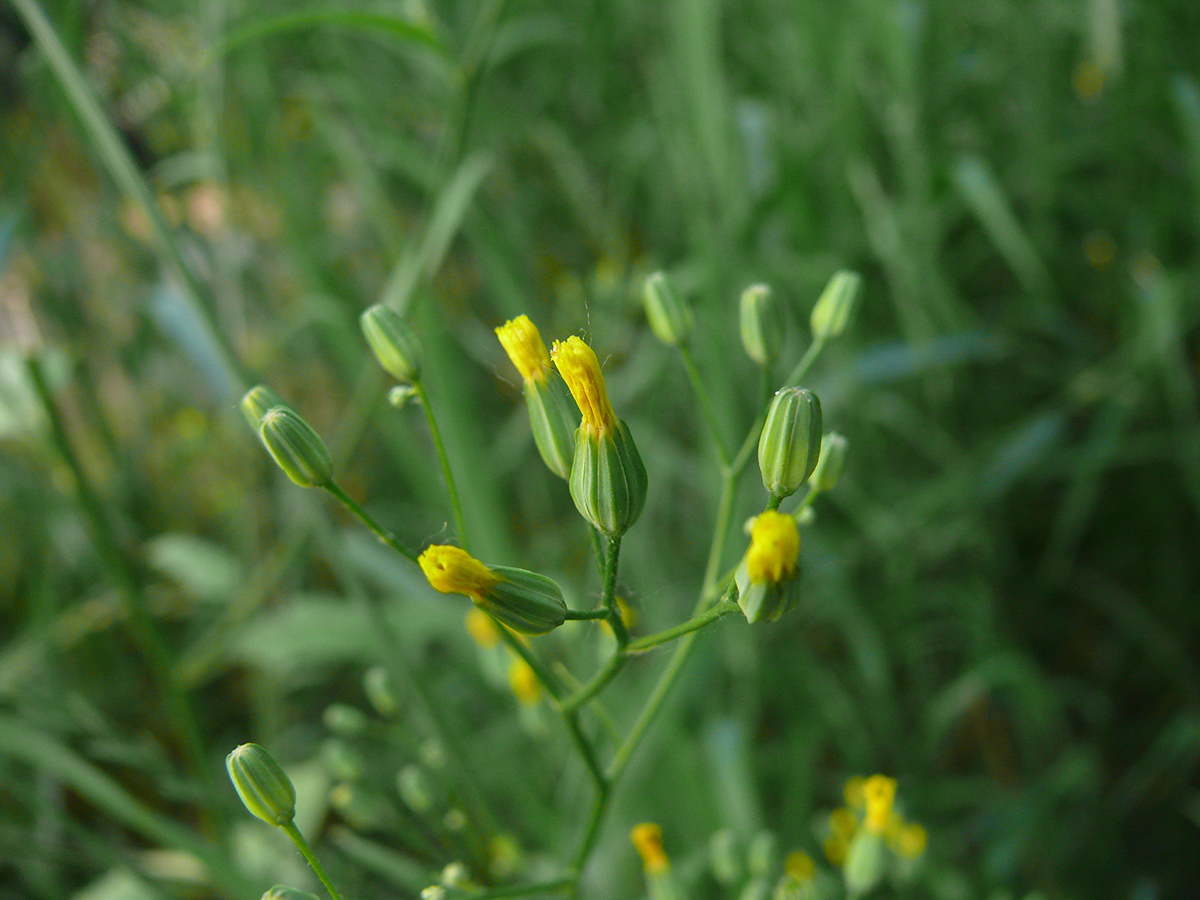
(910,840)
(799,865)
(482,628)
(774,547)
(879,792)
(580,369)
(647,838)
(453,570)
(852,792)
(525,347)
(524,683)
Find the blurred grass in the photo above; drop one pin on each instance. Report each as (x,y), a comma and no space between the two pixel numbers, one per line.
(1000,607)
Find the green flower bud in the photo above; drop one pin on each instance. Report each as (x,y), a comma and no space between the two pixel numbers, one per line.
(525,601)
(762,324)
(401,395)
(608,479)
(833,308)
(297,449)
(760,857)
(262,784)
(283,892)
(257,401)
(670,318)
(791,440)
(392,341)
(724,857)
(830,463)
(345,720)
(379,691)
(414,789)
(552,419)
(866,861)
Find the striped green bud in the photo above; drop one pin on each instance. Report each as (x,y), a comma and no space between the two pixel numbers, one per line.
(830,463)
(283,892)
(257,402)
(262,784)
(608,478)
(552,419)
(670,318)
(833,308)
(393,342)
(525,601)
(761,322)
(791,440)
(297,449)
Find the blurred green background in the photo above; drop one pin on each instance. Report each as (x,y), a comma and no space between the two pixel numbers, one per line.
(1000,605)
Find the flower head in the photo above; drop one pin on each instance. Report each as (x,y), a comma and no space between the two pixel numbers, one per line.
(879,792)
(774,547)
(525,347)
(453,570)
(580,369)
(524,683)
(647,839)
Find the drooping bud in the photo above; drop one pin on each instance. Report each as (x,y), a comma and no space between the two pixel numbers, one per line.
(608,479)
(670,318)
(297,449)
(262,784)
(791,440)
(761,323)
(393,342)
(524,601)
(830,463)
(833,307)
(257,401)
(767,579)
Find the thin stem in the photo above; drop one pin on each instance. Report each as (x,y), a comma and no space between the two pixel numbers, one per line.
(306,851)
(363,516)
(609,593)
(724,608)
(774,500)
(805,363)
(598,682)
(459,523)
(577,614)
(729,479)
(592,829)
(706,410)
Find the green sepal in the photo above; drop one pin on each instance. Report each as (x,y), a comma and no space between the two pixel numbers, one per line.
(608,479)
(790,443)
(264,787)
(393,342)
(766,600)
(297,449)
(257,402)
(525,601)
(866,863)
(553,418)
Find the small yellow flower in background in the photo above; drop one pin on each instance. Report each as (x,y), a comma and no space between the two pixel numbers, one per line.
(524,683)
(453,570)
(1088,81)
(524,345)
(774,547)
(852,792)
(647,839)
(843,824)
(910,840)
(799,865)
(482,628)
(879,792)
(580,369)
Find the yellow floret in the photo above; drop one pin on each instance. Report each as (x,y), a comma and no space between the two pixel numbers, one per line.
(453,570)
(525,347)
(774,547)
(647,838)
(580,369)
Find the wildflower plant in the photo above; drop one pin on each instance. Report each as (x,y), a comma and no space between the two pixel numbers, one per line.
(580,437)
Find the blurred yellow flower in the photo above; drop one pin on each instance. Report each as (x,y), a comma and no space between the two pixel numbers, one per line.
(580,369)
(647,839)
(525,347)
(774,547)
(452,570)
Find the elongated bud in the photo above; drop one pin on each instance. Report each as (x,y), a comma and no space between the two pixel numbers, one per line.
(414,789)
(768,579)
(790,442)
(552,421)
(866,862)
(256,403)
(377,686)
(670,318)
(297,449)
(830,463)
(724,857)
(524,601)
(833,308)
(345,720)
(262,784)
(393,342)
(761,323)
(283,892)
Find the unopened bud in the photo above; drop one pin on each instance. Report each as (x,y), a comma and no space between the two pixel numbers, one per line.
(552,419)
(297,449)
(830,463)
(414,789)
(392,341)
(670,318)
(791,440)
(379,691)
(833,307)
(257,401)
(761,323)
(608,479)
(525,601)
(262,784)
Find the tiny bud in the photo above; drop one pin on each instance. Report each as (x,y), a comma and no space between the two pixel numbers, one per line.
(724,857)
(761,322)
(257,401)
(283,892)
(401,395)
(341,761)
(833,308)
(791,440)
(760,857)
(670,318)
(297,449)
(392,341)
(379,691)
(262,784)
(830,463)
(344,720)
(455,875)
(433,892)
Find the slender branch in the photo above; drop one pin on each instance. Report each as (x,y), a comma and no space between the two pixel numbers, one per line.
(598,682)
(609,593)
(363,516)
(806,362)
(724,608)
(706,410)
(306,851)
(578,614)
(459,522)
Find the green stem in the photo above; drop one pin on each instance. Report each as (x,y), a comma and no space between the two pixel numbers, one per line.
(805,363)
(773,501)
(729,479)
(609,592)
(577,614)
(598,682)
(459,523)
(306,851)
(706,410)
(363,516)
(724,608)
